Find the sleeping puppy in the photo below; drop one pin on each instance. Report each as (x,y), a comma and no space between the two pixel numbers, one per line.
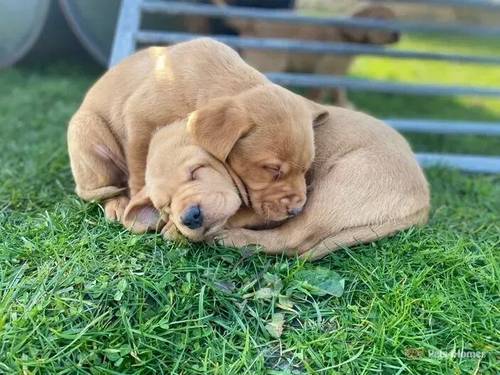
(366,185)
(365,182)
(186,188)
(314,63)
(263,132)
(187,191)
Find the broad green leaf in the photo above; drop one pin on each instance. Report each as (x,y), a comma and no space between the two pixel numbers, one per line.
(124,350)
(118,295)
(112,354)
(320,281)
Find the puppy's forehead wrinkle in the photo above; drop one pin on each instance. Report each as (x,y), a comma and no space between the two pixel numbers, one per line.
(297,154)
(270,114)
(295,149)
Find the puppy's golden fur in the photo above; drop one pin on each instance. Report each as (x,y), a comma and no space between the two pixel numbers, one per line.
(259,129)
(366,184)
(181,175)
(313,63)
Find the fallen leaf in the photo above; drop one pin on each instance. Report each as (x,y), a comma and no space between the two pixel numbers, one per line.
(122,285)
(118,295)
(264,293)
(285,303)
(273,281)
(275,327)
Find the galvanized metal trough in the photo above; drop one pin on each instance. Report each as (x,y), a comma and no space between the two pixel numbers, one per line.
(21,23)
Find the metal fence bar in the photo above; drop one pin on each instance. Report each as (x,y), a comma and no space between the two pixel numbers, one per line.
(445,127)
(128,32)
(485,4)
(331,81)
(128,23)
(309,46)
(467,163)
(178,8)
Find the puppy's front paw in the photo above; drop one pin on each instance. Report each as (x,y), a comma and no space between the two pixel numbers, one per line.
(232,238)
(114,208)
(170,232)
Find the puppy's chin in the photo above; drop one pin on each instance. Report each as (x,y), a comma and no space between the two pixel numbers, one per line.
(268,213)
(204,233)
(271,216)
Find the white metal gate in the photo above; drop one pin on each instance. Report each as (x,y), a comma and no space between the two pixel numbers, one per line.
(129,35)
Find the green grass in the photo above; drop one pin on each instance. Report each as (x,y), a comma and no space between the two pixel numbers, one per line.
(80,295)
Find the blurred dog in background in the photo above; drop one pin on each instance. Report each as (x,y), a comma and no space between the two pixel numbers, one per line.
(266,61)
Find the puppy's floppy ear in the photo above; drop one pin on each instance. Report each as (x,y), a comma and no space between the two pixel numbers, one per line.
(320,114)
(140,215)
(217,126)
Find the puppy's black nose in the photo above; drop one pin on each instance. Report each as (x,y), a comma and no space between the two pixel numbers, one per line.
(192,218)
(294,211)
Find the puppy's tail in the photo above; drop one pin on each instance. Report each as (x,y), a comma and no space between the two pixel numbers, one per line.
(105,192)
(100,194)
(364,234)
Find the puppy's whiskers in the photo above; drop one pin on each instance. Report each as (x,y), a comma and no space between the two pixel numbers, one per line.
(267,215)
(296,165)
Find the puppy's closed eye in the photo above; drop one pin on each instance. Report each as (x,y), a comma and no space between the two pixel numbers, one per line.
(275,171)
(194,170)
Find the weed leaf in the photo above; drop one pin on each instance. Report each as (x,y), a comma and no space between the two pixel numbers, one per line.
(320,282)
(275,327)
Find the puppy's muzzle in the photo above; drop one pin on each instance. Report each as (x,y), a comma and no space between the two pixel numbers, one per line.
(192,217)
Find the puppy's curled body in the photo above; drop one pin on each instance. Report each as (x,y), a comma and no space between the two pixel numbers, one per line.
(222,95)
(366,185)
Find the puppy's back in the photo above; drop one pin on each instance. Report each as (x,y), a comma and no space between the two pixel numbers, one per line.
(348,130)
(207,69)
(361,148)
(196,71)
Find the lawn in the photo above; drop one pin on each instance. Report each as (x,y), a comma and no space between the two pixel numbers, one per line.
(80,295)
